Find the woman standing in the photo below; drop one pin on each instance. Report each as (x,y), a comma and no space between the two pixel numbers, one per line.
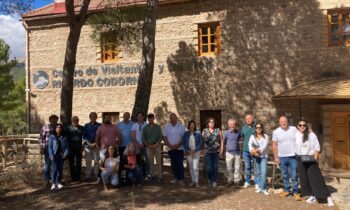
(258,145)
(58,151)
(311,180)
(192,141)
(212,139)
(110,168)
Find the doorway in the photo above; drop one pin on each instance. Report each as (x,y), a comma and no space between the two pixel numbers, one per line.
(206,114)
(341,140)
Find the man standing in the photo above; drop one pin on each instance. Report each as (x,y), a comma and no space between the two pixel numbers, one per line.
(43,145)
(151,138)
(89,142)
(125,133)
(230,144)
(247,130)
(107,135)
(172,134)
(75,143)
(125,130)
(283,139)
(136,135)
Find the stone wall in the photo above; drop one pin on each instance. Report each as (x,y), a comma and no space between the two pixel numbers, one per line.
(267,47)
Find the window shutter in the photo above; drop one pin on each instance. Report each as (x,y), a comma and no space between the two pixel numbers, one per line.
(200,41)
(218,42)
(326,29)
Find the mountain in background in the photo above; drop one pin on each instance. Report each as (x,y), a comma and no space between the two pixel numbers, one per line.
(18,71)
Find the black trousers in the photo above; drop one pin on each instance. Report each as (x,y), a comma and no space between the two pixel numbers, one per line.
(312,181)
(75,157)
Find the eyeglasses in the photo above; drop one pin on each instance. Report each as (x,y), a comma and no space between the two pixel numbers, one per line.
(258,127)
(302,125)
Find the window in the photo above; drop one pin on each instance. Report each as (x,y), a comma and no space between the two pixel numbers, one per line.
(109,52)
(209,38)
(339,27)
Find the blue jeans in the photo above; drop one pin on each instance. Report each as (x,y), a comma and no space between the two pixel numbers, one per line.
(260,165)
(289,167)
(177,163)
(212,161)
(110,178)
(146,168)
(134,176)
(57,168)
(248,167)
(47,166)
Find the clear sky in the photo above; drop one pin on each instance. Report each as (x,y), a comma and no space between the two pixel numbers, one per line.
(41,3)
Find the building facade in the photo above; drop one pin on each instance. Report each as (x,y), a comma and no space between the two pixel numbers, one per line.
(219,58)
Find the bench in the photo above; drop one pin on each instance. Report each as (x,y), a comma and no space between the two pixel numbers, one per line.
(337,173)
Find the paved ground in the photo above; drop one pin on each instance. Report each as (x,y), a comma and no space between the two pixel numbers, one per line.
(166,196)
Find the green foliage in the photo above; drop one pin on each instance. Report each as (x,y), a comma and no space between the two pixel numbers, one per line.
(18,72)
(12,96)
(121,26)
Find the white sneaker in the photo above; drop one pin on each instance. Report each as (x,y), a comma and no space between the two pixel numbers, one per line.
(59,186)
(174,181)
(215,184)
(53,187)
(256,187)
(265,192)
(246,185)
(311,200)
(258,190)
(330,201)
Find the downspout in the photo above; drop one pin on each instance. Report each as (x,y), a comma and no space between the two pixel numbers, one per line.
(27,67)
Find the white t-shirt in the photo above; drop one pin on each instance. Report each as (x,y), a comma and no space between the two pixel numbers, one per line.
(261,144)
(138,128)
(192,143)
(110,163)
(174,133)
(285,140)
(308,147)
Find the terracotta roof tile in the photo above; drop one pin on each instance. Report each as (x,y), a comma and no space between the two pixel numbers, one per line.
(326,88)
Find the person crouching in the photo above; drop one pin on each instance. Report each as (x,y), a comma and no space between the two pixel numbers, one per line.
(132,165)
(110,168)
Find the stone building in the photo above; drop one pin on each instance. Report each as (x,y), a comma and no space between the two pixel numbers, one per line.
(218,58)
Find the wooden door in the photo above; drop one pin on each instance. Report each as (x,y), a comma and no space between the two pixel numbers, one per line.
(206,114)
(341,141)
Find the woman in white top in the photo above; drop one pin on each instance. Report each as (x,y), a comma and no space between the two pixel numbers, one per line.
(110,168)
(258,146)
(307,149)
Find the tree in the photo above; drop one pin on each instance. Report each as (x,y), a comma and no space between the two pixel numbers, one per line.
(15,6)
(75,22)
(6,83)
(144,86)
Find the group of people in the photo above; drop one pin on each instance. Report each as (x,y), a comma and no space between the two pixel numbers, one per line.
(131,151)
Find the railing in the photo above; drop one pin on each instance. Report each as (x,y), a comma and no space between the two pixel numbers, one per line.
(18,149)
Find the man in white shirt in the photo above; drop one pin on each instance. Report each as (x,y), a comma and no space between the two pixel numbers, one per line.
(172,134)
(283,139)
(136,136)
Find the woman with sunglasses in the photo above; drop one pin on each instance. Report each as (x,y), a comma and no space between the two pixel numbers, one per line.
(311,180)
(258,146)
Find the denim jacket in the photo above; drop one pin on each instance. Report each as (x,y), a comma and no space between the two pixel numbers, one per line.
(197,138)
(53,145)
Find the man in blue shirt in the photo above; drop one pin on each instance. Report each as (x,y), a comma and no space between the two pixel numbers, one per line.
(230,150)
(125,130)
(89,142)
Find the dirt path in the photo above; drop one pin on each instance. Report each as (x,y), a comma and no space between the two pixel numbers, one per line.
(91,196)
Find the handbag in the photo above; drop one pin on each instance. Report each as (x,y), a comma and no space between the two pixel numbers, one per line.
(307,158)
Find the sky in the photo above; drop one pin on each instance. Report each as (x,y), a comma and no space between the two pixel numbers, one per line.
(12,31)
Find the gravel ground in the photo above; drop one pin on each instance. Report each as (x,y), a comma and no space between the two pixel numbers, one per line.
(167,196)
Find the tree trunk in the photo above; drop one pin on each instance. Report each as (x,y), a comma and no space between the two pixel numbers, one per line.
(76,22)
(68,75)
(144,86)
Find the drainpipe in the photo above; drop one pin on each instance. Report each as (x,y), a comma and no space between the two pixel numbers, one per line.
(27,67)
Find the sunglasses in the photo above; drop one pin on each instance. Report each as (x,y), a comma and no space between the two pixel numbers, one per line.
(302,125)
